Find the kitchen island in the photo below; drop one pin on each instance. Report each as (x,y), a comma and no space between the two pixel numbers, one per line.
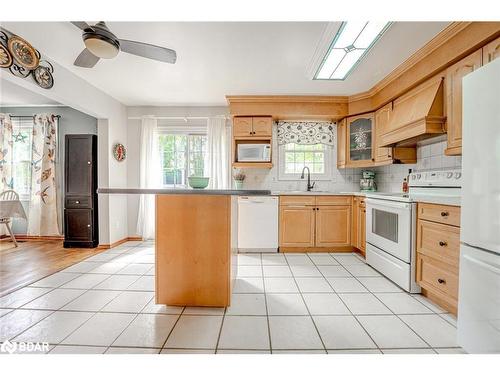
(195,245)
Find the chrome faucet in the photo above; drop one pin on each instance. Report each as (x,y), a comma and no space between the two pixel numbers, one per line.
(309,185)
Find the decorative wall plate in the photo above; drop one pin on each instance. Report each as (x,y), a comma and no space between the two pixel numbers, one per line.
(23,52)
(43,77)
(5,57)
(119,152)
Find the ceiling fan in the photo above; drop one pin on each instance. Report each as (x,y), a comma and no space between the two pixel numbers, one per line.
(101,43)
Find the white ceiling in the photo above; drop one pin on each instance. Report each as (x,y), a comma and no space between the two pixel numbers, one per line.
(12,95)
(223,58)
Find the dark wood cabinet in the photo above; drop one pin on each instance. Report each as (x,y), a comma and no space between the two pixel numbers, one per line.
(80,186)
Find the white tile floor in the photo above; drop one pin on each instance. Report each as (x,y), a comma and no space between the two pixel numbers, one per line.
(293,303)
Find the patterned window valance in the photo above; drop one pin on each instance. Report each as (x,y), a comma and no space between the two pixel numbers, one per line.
(305,133)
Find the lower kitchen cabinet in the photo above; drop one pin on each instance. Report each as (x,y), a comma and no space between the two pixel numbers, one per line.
(333,226)
(362,228)
(358,224)
(438,252)
(297,225)
(321,223)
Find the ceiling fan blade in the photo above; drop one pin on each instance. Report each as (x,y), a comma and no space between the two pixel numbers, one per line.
(148,50)
(86,59)
(81,25)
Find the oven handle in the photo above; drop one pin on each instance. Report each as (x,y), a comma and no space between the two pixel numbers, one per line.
(386,203)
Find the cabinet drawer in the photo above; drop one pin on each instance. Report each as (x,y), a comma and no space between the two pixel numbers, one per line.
(78,202)
(437,277)
(439,241)
(262,126)
(297,200)
(333,200)
(439,213)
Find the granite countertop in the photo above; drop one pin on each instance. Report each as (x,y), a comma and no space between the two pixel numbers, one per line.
(182,191)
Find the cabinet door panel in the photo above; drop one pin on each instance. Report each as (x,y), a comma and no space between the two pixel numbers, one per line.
(78,166)
(355,225)
(297,226)
(262,126)
(382,116)
(362,230)
(360,140)
(333,226)
(242,126)
(454,75)
(341,144)
(78,225)
(491,51)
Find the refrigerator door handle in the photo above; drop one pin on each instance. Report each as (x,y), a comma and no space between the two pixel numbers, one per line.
(483,264)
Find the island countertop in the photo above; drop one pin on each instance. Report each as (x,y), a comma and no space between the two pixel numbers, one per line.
(182,191)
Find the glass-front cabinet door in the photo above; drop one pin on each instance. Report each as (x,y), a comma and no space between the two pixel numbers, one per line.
(360,139)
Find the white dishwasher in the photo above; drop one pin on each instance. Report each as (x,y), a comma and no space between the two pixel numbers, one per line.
(257,224)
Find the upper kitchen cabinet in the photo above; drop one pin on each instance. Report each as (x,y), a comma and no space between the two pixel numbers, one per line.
(360,140)
(252,126)
(252,138)
(341,143)
(454,75)
(388,155)
(382,117)
(491,51)
(416,115)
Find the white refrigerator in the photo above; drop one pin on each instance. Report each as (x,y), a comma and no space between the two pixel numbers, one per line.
(479,286)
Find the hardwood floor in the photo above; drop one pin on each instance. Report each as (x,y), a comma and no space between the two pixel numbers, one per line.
(33,260)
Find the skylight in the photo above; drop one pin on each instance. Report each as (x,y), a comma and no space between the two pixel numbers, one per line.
(349,46)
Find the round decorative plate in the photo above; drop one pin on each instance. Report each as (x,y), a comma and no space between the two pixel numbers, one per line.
(23,52)
(5,57)
(119,152)
(43,77)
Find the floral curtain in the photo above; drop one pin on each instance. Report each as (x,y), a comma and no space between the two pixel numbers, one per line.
(6,144)
(305,133)
(43,212)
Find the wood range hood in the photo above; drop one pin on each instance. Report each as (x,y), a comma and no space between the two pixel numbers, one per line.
(417,115)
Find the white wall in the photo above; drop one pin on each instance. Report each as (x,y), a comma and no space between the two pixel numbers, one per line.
(73,91)
(133,151)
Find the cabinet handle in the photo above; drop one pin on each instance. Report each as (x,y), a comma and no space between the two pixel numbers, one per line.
(89,163)
(442,243)
(317,208)
(441,281)
(373,159)
(445,213)
(77,202)
(88,225)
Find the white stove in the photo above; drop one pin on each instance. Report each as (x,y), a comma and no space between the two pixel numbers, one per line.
(391,223)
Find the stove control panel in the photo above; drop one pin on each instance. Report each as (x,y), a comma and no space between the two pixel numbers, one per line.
(442,178)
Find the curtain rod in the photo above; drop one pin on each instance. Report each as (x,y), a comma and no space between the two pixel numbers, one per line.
(177,117)
(58,116)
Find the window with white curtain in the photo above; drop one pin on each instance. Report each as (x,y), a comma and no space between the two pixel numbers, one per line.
(181,156)
(22,130)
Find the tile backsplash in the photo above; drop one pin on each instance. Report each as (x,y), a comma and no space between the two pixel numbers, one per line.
(430,156)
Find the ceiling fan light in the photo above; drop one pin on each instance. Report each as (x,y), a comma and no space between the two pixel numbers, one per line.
(101,48)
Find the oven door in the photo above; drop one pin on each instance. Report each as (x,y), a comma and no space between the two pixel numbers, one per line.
(389,227)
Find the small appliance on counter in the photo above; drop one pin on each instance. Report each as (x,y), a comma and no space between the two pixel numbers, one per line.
(367,181)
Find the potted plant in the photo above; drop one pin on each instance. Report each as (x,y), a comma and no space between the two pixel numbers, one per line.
(239,177)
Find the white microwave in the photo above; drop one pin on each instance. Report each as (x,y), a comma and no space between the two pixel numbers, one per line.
(254,152)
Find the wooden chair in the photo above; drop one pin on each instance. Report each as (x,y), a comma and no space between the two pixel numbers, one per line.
(9,195)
